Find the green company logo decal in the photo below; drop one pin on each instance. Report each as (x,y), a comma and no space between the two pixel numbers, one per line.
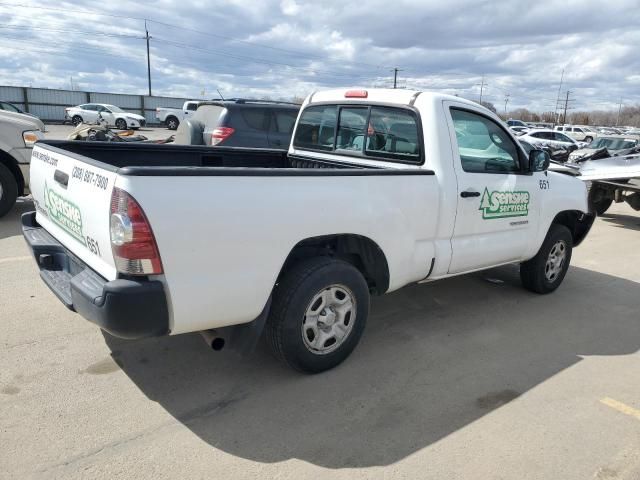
(64,213)
(504,204)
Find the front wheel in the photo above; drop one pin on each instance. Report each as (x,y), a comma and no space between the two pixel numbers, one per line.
(545,272)
(319,311)
(121,124)
(8,190)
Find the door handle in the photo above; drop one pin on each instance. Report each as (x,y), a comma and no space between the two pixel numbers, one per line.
(468,194)
(61,177)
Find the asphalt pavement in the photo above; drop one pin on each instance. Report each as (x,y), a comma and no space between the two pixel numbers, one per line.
(467,378)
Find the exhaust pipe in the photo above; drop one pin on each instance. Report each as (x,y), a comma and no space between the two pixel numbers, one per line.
(213,339)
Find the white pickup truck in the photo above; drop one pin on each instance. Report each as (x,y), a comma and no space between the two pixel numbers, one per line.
(379,189)
(171,117)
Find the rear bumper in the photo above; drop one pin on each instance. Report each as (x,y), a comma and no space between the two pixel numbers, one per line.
(123,307)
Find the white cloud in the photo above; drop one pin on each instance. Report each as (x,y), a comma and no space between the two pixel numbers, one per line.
(282,48)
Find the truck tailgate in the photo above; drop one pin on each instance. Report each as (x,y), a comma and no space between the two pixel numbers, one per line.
(72,195)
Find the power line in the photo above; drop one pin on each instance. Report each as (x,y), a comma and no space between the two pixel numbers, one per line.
(254,59)
(79,32)
(182,27)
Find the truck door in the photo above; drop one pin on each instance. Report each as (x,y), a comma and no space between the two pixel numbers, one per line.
(497,202)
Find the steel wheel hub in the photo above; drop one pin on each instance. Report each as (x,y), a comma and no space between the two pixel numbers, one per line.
(329,319)
(555,261)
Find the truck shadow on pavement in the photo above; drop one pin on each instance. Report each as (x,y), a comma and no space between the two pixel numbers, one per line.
(623,221)
(434,358)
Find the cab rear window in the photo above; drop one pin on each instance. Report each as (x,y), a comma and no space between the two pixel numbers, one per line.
(360,130)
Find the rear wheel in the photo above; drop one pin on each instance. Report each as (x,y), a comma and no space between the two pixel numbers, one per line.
(319,311)
(121,124)
(588,139)
(599,200)
(546,271)
(8,190)
(76,120)
(172,123)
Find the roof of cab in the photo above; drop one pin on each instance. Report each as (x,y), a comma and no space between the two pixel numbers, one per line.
(398,96)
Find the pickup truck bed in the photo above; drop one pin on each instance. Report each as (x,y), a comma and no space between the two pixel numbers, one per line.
(165,160)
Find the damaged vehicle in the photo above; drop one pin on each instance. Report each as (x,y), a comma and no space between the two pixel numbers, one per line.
(613,179)
(614,144)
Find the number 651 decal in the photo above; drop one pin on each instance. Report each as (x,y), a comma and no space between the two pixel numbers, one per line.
(544,185)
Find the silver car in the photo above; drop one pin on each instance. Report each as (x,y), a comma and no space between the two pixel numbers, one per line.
(18,134)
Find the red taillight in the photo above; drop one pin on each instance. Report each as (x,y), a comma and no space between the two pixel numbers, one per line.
(356,94)
(220,134)
(134,247)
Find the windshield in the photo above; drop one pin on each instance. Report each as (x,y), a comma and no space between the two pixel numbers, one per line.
(113,108)
(9,107)
(612,143)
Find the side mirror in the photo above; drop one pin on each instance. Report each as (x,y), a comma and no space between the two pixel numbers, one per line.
(539,160)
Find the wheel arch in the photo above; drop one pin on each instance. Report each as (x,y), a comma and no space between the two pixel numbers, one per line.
(362,252)
(578,223)
(12,164)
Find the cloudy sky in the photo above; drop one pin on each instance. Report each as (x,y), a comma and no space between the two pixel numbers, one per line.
(287,48)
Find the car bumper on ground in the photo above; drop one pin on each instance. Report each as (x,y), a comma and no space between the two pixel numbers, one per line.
(127,308)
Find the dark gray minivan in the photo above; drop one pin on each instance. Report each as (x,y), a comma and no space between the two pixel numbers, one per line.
(240,123)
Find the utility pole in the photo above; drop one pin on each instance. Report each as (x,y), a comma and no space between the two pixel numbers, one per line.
(147,37)
(566,105)
(619,110)
(482,85)
(506,100)
(555,116)
(395,77)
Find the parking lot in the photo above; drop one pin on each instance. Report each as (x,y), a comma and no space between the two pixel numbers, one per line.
(471,377)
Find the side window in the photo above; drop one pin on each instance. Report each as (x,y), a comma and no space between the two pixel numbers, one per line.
(90,107)
(483,146)
(285,121)
(393,132)
(563,138)
(316,128)
(192,106)
(351,128)
(255,118)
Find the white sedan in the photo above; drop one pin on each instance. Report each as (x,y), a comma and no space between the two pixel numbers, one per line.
(112,115)
(550,138)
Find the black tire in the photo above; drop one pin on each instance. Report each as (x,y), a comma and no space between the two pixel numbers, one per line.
(172,123)
(588,139)
(121,124)
(599,200)
(76,120)
(8,190)
(533,273)
(292,299)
